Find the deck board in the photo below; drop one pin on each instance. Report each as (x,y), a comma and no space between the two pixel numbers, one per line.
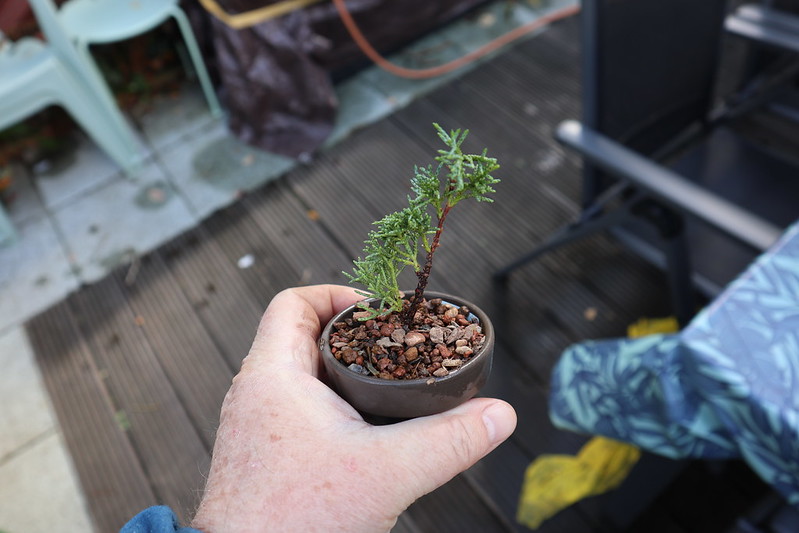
(303,239)
(454,508)
(161,343)
(168,444)
(110,473)
(211,282)
(239,235)
(191,360)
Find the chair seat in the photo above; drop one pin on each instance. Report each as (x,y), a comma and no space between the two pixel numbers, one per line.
(19,56)
(725,163)
(106,21)
(90,22)
(24,68)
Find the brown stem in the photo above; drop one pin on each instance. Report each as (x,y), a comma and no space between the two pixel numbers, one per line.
(424,274)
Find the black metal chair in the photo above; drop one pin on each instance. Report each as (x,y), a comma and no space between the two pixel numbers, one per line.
(666,170)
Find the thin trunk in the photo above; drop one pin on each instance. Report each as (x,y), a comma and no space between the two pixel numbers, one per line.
(424,274)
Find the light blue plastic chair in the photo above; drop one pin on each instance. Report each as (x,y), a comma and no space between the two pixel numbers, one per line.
(7,233)
(35,74)
(106,21)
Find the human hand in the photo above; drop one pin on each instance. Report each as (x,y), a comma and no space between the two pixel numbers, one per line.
(291,455)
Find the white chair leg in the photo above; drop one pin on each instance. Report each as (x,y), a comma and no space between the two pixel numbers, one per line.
(105,125)
(197,60)
(7,233)
(100,87)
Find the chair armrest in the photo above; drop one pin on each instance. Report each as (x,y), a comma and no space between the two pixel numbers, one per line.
(769,16)
(667,186)
(765,25)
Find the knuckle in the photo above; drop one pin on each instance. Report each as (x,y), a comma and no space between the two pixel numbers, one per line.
(465,441)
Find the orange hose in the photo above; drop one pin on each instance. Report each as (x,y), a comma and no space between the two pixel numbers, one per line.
(431,72)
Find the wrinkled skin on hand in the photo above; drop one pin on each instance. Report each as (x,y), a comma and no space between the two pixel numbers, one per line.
(291,455)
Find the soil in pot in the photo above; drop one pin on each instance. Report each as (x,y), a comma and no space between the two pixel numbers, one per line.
(442,339)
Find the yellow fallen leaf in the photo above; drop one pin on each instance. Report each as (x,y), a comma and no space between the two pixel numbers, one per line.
(553,482)
(651,326)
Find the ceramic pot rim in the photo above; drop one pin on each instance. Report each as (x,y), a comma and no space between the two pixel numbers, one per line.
(483,320)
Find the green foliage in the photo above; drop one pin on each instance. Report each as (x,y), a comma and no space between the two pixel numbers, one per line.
(401,236)
(468,175)
(388,250)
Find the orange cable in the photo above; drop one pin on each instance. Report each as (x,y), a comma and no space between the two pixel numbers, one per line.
(439,70)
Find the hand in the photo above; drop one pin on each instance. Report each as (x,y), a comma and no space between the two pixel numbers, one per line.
(291,455)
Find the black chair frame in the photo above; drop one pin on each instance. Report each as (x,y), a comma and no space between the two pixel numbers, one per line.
(624,178)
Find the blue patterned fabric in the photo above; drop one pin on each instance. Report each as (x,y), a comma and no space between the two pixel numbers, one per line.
(727,386)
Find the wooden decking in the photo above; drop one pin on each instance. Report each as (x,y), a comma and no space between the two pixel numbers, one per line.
(138,364)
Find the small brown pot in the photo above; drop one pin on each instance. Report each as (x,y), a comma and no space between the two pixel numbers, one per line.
(414,397)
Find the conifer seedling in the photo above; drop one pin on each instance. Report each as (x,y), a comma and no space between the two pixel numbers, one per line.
(411,236)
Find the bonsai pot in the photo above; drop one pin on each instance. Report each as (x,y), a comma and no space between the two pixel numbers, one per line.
(410,398)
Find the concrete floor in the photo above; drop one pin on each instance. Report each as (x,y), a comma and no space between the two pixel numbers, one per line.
(81,218)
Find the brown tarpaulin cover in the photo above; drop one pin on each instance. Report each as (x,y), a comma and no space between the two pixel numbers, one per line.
(276,74)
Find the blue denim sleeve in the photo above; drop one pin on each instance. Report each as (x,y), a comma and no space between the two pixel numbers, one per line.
(158,519)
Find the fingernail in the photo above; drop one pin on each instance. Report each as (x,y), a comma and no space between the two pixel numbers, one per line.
(500,421)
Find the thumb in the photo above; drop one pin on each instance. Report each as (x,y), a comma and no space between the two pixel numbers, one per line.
(439,447)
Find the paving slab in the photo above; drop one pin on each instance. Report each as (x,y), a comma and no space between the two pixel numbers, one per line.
(34,272)
(26,203)
(25,415)
(116,223)
(76,171)
(169,119)
(40,492)
(211,169)
(359,104)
